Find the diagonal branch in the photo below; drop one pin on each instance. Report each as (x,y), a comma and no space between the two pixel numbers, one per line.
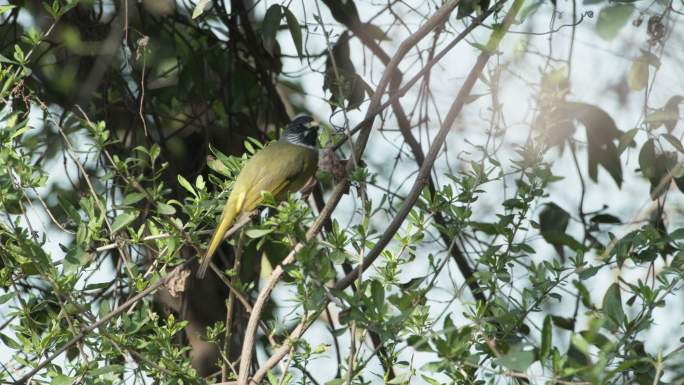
(394,225)
(104,320)
(352,22)
(362,125)
(434,22)
(421,179)
(250,332)
(423,173)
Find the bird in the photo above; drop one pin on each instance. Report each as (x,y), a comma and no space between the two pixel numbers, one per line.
(280,168)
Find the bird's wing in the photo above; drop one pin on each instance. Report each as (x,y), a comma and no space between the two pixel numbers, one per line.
(277,177)
(294,166)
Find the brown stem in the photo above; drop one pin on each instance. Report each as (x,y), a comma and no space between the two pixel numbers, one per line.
(423,174)
(351,21)
(84,332)
(398,219)
(229,308)
(435,21)
(362,125)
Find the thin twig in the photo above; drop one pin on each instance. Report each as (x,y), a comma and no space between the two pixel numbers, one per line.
(237,226)
(424,172)
(230,303)
(84,332)
(250,332)
(367,121)
(232,288)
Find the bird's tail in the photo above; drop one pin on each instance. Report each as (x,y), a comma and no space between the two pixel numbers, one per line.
(227,217)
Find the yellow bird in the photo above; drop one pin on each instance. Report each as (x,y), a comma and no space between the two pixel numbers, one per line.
(280,168)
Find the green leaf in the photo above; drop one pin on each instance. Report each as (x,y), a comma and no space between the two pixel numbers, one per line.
(584,294)
(657,118)
(10,343)
(62,380)
(378,294)
(678,260)
(487,228)
(420,343)
(553,221)
(588,272)
(133,198)
(218,166)
(517,359)
(612,305)
(295,30)
(199,8)
(22,128)
(75,258)
(605,218)
(611,19)
(664,163)
(674,142)
(601,132)
(123,220)
(6,297)
(165,209)
(186,185)
(341,78)
(637,78)
(270,25)
(563,322)
(430,380)
(98,285)
(677,234)
(5,8)
(672,106)
(155,150)
(627,139)
(257,233)
(594,338)
(104,308)
(680,183)
(69,209)
(200,183)
(106,369)
(647,159)
(546,342)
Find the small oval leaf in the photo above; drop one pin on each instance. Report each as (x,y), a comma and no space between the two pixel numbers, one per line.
(123,220)
(611,19)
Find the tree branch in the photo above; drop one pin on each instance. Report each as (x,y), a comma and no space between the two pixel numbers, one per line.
(250,332)
(477,21)
(352,21)
(84,332)
(424,172)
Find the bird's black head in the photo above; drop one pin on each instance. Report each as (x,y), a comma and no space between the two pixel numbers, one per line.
(303,130)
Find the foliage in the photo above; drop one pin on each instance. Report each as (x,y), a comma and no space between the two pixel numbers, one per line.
(123,125)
